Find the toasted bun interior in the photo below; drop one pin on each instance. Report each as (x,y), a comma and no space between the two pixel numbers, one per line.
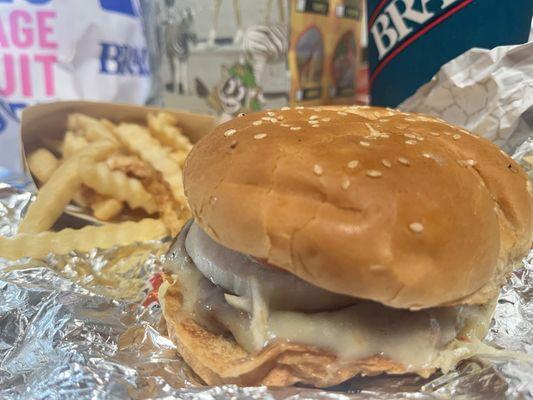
(394,207)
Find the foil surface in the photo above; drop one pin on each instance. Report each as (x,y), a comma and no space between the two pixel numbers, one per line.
(489,92)
(87,326)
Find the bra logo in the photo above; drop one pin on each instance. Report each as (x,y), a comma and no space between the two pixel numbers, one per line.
(399,19)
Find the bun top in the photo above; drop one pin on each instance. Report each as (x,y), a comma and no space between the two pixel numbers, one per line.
(399,208)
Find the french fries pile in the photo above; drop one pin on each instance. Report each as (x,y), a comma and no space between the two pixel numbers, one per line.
(122,172)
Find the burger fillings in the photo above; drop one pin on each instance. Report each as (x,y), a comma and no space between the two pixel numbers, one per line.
(314,257)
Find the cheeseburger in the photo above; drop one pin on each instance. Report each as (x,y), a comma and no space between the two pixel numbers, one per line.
(330,242)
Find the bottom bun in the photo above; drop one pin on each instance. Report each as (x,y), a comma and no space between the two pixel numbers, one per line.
(220,360)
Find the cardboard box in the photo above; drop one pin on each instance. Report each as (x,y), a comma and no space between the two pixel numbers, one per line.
(44,125)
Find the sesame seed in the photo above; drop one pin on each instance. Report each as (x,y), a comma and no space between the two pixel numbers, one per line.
(434,133)
(416,227)
(401,126)
(345,184)
(447,133)
(312,117)
(377,268)
(464,163)
(427,155)
(241,115)
(299,108)
(260,136)
(314,121)
(257,123)
(411,142)
(266,118)
(386,163)
(373,173)
(352,164)
(403,161)
(363,143)
(230,132)
(233,144)
(315,126)
(365,114)
(271,113)
(317,169)
(374,133)
(285,108)
(456,136)
(285,125)
(419,138)
(295,128)
(423,118)
(327,119)
(280,118)
(342,113)
(409,135)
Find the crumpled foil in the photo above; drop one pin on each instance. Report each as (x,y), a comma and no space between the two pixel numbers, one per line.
(86,326)
(489,92)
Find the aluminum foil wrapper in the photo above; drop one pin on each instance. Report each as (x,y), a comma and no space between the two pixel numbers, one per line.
(87,325)
(489,92)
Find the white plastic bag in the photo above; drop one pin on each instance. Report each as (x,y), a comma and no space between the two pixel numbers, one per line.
(64,50)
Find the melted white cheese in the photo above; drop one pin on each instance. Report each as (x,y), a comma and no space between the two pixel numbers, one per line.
(419,340)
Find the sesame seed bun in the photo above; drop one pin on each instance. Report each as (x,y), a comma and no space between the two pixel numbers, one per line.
(394,207)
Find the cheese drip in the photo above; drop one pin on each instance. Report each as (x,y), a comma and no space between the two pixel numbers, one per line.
(420,340)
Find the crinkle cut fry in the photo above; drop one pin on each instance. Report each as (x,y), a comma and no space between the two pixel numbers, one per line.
(116,184)
(60,189)
(84,239)
(137,139)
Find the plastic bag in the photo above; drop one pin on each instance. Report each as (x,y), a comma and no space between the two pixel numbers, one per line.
(64,49)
